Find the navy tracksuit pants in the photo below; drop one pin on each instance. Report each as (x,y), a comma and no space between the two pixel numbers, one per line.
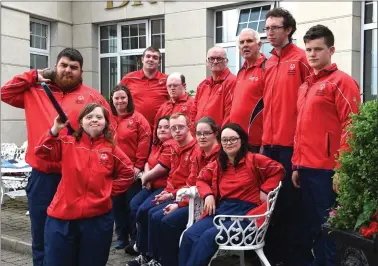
(140,205)
(124,220)
(171,227)
(198,243)
(40,191)
(317,199)
(81,242)
(282,235)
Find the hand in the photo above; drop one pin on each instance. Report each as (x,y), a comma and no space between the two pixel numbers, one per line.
(40,76)
(336,183)
(162,197)
(148,186)
(58,126)
(144,180)
(209,205)
(295,179)
(136,172)
(170,208)
(261,150)
(263,196)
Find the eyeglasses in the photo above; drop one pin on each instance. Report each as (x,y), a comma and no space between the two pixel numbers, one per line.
(177,127)
(204,134)
(219,59)
(230,140)
(273,28)
(161,127)
(174,86)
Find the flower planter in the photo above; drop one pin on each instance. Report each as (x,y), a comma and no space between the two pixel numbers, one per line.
(352,249)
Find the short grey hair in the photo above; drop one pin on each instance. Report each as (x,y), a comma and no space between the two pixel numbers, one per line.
(255,35)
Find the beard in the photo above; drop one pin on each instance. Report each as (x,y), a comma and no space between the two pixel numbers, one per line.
(67,84)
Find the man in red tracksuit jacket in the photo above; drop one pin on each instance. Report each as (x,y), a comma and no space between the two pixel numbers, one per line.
(285,71)
(180,101)
(148,85)
(325,102)
(214,94)
(24,91)
(247,102)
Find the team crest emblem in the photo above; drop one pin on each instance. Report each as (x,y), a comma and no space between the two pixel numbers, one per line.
(161,81)
(321,91)
(104,158)
(253,78)
(322,86)
(291,70)
(80,99)
(130,124)
(183,108)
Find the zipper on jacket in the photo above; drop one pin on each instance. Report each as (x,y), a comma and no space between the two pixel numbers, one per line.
(87,183)
(271,113)
(328,145)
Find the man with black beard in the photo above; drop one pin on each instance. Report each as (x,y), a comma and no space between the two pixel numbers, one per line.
(24,91)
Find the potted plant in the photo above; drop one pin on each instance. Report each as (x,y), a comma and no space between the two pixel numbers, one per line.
(353,224)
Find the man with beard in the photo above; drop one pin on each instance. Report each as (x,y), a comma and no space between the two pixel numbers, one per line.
(148,85)
(247,102)
(24,91)
(214,94)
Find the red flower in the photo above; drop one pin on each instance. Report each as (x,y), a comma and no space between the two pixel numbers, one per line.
(368,232)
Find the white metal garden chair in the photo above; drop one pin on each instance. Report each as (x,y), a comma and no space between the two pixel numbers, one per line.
(243,233)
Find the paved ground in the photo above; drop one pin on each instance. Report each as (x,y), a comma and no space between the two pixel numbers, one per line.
(15,225)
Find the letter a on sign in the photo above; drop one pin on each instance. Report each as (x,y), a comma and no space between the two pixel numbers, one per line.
(109,3)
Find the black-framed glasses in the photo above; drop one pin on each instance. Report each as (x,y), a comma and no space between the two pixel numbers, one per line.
(177,127)
(230,140)
(203,134)
(218,59)
(273,28)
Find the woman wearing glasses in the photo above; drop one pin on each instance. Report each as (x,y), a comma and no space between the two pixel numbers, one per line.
(235,184)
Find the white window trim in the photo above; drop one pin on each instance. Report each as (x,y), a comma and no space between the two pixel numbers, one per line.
(234,43)
(365,27)
(121,52)
(38,51)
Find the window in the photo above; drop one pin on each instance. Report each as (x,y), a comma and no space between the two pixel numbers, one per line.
(39,44)
(122,46)
(229,23)
(369,64)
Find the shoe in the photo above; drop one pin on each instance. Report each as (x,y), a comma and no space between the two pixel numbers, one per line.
(129,249)
(119,244)
(152,262)
(138,261)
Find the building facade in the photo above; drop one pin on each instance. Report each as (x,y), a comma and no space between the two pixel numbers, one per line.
(111,35)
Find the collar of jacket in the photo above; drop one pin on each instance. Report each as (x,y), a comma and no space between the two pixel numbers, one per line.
(221,78)
(258,62)
(285,50)
(183,98)
(88,140)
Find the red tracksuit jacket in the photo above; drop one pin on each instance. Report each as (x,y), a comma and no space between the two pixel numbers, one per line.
(324,104)
(247,101)
(214,98)
(284,75)
(163,152)
(254,172)
(133,136)
(179,162)
(93,170)
(200,160)
(23,92)
(148,94)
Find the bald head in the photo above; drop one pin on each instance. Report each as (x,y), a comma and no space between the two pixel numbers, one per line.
(217,50)
(176,85)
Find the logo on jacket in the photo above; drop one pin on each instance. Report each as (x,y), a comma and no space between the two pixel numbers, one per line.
(291,70)
(183,108)
(130,124)
(104,159)
(254,78)
(80,99)
(161,81)
(321,91)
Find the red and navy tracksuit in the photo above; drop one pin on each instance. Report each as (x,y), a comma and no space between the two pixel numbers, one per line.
(141,203)
(79,225)
(172,225)
(325,102)
(237,192)
(148,93)
(133,136)
(24,92)
(179,164)
(284,74)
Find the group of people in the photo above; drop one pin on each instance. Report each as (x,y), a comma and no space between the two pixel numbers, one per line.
(279,119)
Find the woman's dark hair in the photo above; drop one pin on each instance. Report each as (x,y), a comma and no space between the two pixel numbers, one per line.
(157,141)
(213,125)
(86,110)
(130,103)
(288,19)
(244,148)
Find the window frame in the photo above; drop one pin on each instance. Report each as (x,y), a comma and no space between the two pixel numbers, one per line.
(119,52)
(38,51)
(238,10)
(365,27)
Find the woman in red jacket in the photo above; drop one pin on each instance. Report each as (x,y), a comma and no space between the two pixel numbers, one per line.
(235,184)
(79,225)
(133,136)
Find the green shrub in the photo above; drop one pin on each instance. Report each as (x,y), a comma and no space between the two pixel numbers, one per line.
(358,173)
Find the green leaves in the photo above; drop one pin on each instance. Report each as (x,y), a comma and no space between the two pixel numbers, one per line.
(358,191)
